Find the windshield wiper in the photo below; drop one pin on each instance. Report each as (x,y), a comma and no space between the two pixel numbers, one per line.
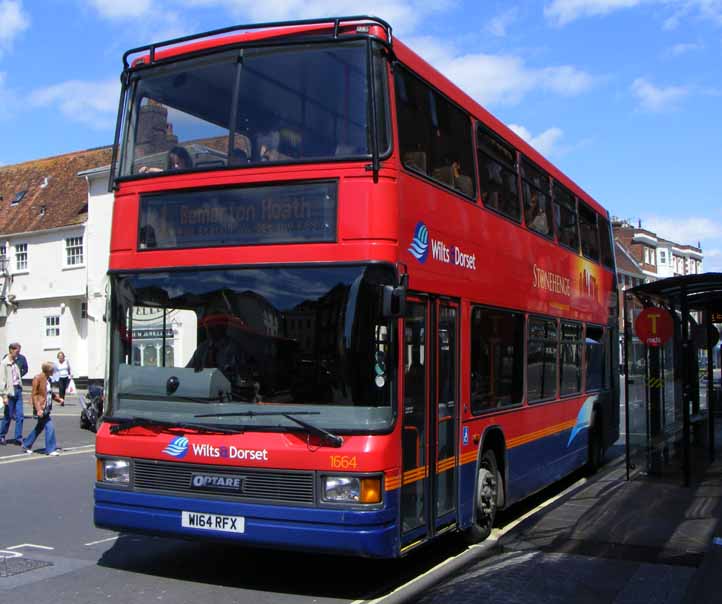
(332,439)
(132,422)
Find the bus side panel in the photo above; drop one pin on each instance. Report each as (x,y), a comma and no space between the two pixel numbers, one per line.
(561,453)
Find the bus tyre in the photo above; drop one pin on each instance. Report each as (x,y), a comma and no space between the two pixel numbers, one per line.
(486,499)
(595,453)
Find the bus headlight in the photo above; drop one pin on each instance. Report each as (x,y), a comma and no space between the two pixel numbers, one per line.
(114,471)
(351,489)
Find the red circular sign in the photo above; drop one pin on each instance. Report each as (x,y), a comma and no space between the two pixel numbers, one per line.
(654,326)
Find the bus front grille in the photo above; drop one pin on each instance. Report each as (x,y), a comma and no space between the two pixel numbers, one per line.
(257,485)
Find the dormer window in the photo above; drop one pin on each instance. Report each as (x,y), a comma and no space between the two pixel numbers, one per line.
(18,197)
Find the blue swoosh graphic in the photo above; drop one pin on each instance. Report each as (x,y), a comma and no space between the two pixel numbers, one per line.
(178,447)
(584,417)
(419,247)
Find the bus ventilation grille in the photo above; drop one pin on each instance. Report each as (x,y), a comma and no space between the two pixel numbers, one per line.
(256,485)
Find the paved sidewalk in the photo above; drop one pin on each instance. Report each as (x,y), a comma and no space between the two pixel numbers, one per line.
(608,542)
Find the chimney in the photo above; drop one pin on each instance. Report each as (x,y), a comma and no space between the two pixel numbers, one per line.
(639,223)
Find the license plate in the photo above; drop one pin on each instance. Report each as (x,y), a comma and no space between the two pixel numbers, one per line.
(213,522)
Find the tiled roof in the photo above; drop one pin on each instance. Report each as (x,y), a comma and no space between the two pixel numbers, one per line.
(52,183)
(625,262)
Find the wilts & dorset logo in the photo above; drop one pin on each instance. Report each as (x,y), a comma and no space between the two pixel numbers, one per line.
(419,248)
(440,252)
(177,448)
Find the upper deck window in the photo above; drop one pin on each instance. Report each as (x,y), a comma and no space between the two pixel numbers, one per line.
(434,134)
(537,203)
(497,175)
(565,211)
(263,104)
(588,231)
(605,242)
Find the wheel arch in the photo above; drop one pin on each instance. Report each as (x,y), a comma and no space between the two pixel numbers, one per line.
(493,439)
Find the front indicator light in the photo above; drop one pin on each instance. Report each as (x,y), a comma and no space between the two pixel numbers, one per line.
(370,490)
(115,471)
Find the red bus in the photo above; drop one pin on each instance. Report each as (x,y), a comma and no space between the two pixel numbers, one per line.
(349,310)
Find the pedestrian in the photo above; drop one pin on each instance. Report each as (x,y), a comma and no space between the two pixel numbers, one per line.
(22,362)
(62,374)
(11,391)
(43,397)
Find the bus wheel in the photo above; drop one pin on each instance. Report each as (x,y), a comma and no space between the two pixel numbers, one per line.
(595,453)
(486,499)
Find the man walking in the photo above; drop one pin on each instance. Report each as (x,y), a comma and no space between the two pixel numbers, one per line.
(21,362)
(11,391)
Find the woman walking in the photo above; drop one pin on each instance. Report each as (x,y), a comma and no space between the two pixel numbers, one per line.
(62,374)
(43,397)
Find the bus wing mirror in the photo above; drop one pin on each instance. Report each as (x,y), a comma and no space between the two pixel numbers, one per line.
(394,302)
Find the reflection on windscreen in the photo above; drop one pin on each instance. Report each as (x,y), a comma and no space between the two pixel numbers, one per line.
(294,103)
(299,336)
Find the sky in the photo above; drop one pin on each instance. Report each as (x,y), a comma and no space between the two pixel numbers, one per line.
(623,96)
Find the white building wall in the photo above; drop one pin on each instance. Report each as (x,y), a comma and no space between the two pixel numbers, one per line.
(27,326)
(100,214)
(48,287)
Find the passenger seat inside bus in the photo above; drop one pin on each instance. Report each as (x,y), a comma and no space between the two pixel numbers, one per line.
(289,143)
(461,182)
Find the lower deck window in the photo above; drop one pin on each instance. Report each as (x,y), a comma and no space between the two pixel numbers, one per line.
(571,359)
(497,344)
(542,359)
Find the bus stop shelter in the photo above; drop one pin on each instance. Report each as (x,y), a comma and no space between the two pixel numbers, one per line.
(672,382)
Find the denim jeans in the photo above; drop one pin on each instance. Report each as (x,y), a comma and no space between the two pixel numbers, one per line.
(13,411)
(47,424)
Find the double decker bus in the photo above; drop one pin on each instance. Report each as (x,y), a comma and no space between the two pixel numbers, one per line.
(349,309)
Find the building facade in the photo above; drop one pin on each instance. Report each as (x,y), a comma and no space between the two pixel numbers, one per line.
(45,237)
(658,258)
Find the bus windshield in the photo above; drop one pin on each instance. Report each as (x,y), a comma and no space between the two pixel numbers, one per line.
(282,104)
(193,343)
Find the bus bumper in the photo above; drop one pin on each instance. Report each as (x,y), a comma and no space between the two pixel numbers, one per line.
(372,533)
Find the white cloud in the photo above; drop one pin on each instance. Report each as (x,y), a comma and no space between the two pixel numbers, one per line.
(403,15)
(498,25)
(13,21)
(653,98)
(122,9)
(683,48)
(545,142)
(709,10)
(91,103)
(562,12)
(684,230)
(499,79)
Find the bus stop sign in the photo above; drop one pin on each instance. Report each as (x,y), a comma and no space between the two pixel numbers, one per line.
(654,326)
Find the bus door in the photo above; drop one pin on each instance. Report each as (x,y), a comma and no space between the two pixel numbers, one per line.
(446,412)
(428,491)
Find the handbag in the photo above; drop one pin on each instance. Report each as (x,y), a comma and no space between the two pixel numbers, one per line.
(71,387)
